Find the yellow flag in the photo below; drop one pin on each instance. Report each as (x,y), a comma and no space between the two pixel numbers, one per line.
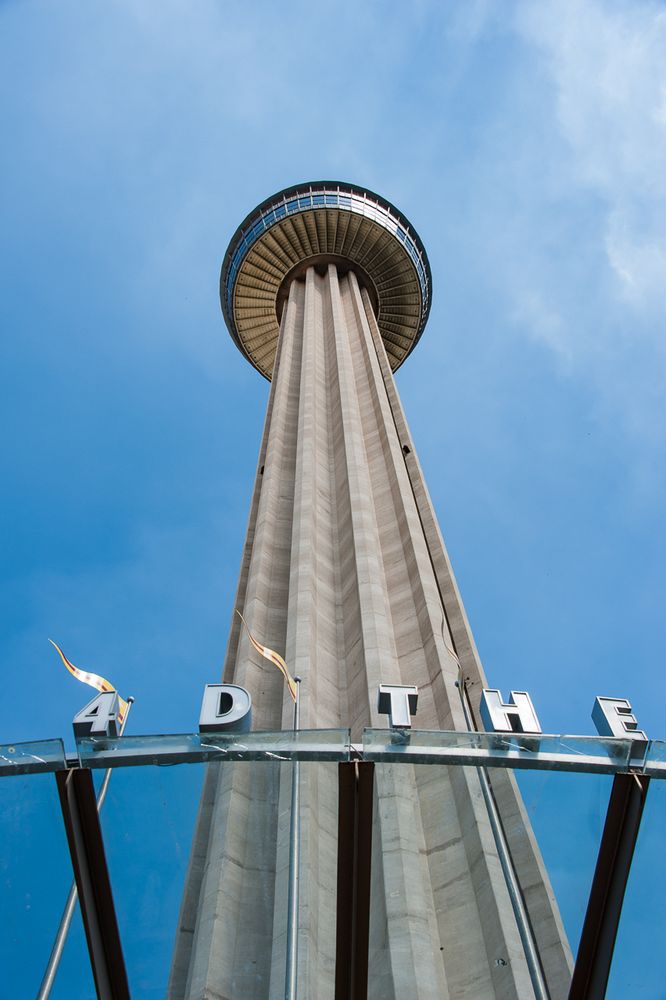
(100,683)
(275,658)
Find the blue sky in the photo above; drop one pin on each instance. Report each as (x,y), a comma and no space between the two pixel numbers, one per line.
(527,144)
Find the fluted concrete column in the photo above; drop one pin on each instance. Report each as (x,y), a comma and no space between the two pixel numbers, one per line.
(345,572)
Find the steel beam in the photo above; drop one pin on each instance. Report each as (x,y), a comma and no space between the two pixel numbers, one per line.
(355,785)
(86,847)
(595,951)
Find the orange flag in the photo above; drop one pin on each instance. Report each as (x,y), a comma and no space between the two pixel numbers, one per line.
(275,659)
(100,683)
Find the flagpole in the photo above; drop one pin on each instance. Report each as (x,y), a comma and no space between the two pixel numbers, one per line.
(290,983)
(68,912)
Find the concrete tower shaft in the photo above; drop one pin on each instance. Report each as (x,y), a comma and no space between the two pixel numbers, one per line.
(345,571)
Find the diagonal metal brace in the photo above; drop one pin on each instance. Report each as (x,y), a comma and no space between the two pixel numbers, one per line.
(86,847)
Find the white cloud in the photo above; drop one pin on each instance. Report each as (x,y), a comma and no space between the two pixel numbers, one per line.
(639,261)
(606,64)
(534,314)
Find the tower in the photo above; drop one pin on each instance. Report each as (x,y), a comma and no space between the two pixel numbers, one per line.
(326,289)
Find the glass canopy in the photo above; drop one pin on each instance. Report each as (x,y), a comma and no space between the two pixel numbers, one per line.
(150,813)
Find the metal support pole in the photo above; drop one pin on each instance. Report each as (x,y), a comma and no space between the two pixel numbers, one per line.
(510,877)
(68,912)
(290,978)
(597,940)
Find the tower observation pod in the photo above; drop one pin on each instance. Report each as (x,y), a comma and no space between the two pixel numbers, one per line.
(326,289)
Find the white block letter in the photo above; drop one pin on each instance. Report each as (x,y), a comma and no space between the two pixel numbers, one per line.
(398,701)
(515,716)
(225,708)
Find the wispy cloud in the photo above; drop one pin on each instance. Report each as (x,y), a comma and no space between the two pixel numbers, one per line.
(606,65)
(557,202)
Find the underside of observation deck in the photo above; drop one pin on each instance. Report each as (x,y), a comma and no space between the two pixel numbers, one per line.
(318,224)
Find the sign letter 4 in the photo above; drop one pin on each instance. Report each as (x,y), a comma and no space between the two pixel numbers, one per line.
(99,717)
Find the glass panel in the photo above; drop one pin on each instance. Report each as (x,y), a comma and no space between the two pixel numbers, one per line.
(567,813)
(436,880)
(570,753)
(147,823)
(655,762)
(637,969)
(33,757)
(235,901)
(36,874)
(317,744)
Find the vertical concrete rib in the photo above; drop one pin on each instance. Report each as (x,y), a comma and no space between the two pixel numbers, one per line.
(190,905)
(554,951)
(407,904)
(416,616)
(311,651)
(234,911)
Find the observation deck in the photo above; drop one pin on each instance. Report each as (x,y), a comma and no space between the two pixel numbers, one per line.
(316,224)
